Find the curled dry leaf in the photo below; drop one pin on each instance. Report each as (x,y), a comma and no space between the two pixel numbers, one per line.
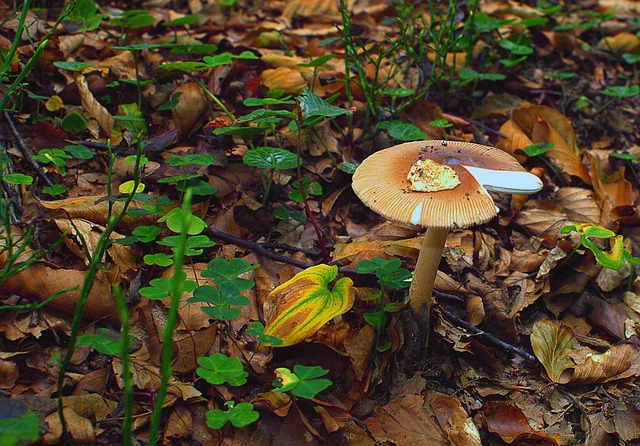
(407,421)
(511,425)
(283,78)
(92,208)
(606,366)
(532,124)
(296,309)
(455,421)
(190,108)
(621,43)
(96,110)
(552,343)
(38,282)
(571,205)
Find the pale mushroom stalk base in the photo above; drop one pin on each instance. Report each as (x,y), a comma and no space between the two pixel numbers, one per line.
(424,275)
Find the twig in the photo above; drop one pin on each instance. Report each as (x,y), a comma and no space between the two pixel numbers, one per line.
(255,247)
(488,336)
(25,150)
(312,219)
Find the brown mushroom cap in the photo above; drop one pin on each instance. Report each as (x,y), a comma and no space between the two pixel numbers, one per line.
(382,185)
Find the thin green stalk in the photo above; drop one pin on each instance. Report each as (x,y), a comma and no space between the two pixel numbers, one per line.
(125,345)
(87,284)
(214,98)
(177,283)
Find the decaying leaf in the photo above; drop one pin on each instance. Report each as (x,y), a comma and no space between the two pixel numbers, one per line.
(552,343)
(299,307)
(511,425)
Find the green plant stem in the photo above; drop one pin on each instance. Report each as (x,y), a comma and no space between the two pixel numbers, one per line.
(125,345)
(177,283)
(215,99)
(87,285)
(138,86)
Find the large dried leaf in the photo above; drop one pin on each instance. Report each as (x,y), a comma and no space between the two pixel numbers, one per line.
(621,43)
(544,124)
(606,366)
(190,108)
(552,343)
(94,209)
(454,420)
(511,424)
(571,205)
(94,108)
(283,78)
(406,421)
(38,282)
(299,307)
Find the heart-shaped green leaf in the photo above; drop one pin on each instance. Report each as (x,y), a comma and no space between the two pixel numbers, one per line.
(299,307)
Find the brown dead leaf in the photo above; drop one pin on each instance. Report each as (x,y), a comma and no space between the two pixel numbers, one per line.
(511,425)
(80,428)
(407,421)
(621,43)
(571,205)
(287,79)
(190,108)
(91,208)
(546,125)
(38,282)
(95,109)
(604,367)
(454,420)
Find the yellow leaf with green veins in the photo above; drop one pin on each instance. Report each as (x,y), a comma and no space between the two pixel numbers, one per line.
(299,307)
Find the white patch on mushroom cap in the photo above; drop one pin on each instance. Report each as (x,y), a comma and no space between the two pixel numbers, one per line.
(415,215)
(508,181)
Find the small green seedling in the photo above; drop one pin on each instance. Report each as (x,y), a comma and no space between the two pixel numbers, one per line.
(615,258)
(256,329)
(239,415)
(309,187)
(221,369)
(629,159)
(21,428)
(390,277)
(161,287)
(223,299)
(269,160)
(537,150)
(303,382)
(402,131)
(104,341)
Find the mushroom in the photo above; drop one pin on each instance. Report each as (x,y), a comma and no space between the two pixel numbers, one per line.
(439,185)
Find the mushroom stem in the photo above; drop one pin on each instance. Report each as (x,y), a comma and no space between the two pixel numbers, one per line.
(424,276)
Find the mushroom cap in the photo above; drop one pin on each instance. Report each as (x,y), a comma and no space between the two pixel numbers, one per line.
(382,185)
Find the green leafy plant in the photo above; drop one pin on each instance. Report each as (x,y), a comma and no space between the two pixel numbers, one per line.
(223,299)
(239,415)
(303,382)
(390,277)
(19,429)
(615,258)
(536,150)
(220,369)
(269,160)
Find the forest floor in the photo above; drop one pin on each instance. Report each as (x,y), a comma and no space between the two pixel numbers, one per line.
(242,124)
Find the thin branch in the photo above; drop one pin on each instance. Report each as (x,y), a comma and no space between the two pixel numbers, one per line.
(26,152)
(488,336)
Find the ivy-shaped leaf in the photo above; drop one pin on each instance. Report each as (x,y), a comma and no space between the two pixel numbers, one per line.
(299,307)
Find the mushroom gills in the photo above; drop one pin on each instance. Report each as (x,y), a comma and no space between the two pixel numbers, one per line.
(512,182)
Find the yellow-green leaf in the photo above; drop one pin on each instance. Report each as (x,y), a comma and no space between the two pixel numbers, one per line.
(127,187)
(299,307)
(552,342)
